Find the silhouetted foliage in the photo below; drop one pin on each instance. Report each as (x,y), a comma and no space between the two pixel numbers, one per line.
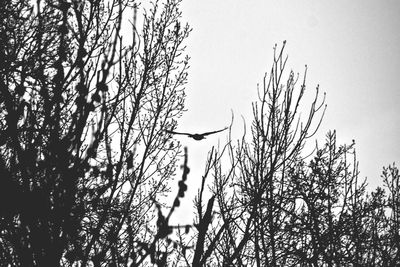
(87,103)
(85,96)
(274,205)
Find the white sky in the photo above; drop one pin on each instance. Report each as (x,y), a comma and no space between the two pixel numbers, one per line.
(352,49)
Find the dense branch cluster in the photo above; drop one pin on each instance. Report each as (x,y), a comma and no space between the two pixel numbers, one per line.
(89,93)
(83,112)
(276,206)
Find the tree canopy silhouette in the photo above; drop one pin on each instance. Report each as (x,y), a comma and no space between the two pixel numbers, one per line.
(85,96)
(88,91)
(274,205)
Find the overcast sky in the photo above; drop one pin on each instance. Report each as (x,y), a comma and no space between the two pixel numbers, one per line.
(352,49)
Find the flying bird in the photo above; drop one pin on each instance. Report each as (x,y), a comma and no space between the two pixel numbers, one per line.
(197,136)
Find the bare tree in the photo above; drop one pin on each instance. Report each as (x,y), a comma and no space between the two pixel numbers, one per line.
(328,195)
(84,104)
(252,198)
(275,206)
(382,221)
(89,93)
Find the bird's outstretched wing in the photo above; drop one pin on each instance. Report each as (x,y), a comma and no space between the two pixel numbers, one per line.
(172,132)
(208,133)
